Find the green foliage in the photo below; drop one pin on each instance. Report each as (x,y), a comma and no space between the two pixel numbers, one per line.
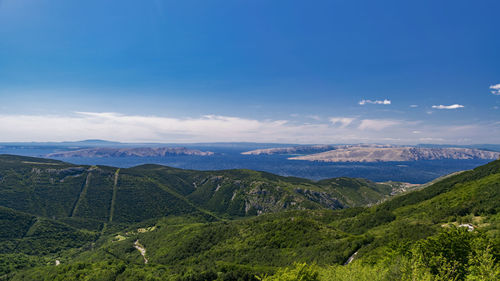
(14,224)
(447,253)
(59,190)
(45,190)
(355,271)
(456,254)
(357,192)
(139,198)
(461,180)
(483,266)
(95,200)
(74,272)
(224,272)
(22,233)
(47,237)
(16,262)
(175,214)
(368,220)
(83,223)
(299,272)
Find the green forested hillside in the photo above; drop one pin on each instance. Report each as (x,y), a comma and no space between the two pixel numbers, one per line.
(59,190)
(190,226)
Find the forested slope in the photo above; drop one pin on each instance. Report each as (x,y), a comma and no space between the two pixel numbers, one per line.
(412,236)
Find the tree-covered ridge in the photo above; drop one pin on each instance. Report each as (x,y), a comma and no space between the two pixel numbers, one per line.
(48,207)
(60,190)
(413,236)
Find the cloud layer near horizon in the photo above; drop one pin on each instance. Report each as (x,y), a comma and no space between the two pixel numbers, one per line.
(215,128)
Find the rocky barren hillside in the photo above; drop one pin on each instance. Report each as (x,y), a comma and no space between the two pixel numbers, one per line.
(375,153)
(128,152)
(302,149)
(385,154)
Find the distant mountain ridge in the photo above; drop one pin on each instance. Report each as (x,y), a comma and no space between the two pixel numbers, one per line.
(302,149)
(386,154)
(308,149)
(376,153)
(130,152)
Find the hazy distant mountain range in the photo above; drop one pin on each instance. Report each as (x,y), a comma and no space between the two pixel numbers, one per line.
(376,153)
(128,152)
(302,149)
(265,157)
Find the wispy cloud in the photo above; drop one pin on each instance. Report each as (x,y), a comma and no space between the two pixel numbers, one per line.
(495,89)
(139,128)
(413,106)
(341,121)
(377,124)
(217,128)
(314,117)
(453,106)
(385,101)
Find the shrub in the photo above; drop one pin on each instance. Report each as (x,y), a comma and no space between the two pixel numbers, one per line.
(299,272)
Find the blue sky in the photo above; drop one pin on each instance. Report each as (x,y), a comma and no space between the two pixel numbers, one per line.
(273,71)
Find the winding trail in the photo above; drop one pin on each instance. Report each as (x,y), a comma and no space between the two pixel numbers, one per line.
(351,258)
(141,249)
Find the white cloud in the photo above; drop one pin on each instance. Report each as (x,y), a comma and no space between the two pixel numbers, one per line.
(495,89)
(315,117)
(432,140)
(385,101)
(137,128)
(342,121)
(413,105)
(216,128)
(453,106)
(377,124)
